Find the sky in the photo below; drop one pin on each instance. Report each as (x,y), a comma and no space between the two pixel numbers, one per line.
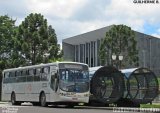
(74,17)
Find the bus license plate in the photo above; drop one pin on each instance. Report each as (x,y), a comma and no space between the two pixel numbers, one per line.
(74,98)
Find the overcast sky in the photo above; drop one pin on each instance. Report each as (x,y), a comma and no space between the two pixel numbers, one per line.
(73,17)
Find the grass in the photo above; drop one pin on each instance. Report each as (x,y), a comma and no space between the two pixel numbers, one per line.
(159,80)
(150,105)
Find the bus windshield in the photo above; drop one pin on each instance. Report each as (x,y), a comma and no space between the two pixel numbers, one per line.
(74,80)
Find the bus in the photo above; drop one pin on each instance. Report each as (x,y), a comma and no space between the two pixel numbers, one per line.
(59,83)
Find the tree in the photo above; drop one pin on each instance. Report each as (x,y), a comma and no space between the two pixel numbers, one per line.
(120,39)
(35,41)
(7,32)
(7,26)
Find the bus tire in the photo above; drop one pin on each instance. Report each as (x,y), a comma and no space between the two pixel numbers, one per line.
(13,99)
(43,102)
(35,103)
(70,105)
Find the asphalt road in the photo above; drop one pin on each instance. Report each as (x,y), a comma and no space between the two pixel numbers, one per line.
(52,109)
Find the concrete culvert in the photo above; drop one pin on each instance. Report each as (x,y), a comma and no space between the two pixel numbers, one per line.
(106,84)
(142,85)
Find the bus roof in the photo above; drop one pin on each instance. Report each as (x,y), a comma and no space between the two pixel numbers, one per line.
(41,65)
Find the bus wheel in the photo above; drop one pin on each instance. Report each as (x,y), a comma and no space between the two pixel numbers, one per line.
(70,106)
(35,103)
(13,99)
(43,99)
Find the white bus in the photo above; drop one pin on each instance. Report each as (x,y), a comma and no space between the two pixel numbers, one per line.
(64,83)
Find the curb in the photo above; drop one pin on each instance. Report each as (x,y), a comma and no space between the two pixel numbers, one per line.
(123,109)
(4,102)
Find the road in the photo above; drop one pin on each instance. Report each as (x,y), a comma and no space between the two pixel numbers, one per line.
(52,109)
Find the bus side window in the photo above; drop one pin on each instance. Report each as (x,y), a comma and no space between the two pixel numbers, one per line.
(24,72)
(31,75)
(12,74)
(37,74)
(6,77)
(18,73)
(23,75)
(12,77)
(45,72)
(18,76)
(31,72)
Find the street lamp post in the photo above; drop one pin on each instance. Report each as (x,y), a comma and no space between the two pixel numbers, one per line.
(114,57)
(29,62)
(120,59)
(117,59)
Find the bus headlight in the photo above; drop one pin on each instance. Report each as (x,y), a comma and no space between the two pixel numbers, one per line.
(86,95)
(62,94)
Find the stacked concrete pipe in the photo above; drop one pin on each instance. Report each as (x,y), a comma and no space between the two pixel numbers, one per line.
(126,88)
(141,86)
(106,84)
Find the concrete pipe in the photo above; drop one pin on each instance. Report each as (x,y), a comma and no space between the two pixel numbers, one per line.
(106,84)
(142,85)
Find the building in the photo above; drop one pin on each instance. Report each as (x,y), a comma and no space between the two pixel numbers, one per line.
(84,48)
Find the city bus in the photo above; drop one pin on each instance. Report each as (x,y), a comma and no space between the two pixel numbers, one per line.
(59,83)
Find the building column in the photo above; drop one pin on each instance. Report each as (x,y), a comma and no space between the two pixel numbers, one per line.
(79,53)
(85,53)
(90,54)
(93,54)
(96,53)
(75,53)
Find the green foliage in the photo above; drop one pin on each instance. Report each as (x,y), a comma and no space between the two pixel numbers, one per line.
(7,32)
(150,105)
(35,41)
(120,39)
(103,53)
